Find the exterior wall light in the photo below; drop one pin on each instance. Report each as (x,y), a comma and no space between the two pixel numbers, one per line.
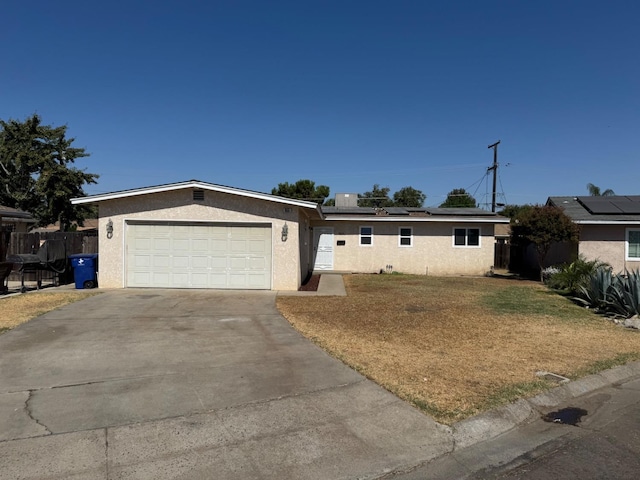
(285,232)
(109,229)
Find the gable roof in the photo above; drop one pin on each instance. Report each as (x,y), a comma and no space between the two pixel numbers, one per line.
(413,214)
(13,214)
(194,184)
(614,209)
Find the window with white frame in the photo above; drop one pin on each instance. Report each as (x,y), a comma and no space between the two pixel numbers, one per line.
(366,236)
(633,244)
(405,237)
(466,237)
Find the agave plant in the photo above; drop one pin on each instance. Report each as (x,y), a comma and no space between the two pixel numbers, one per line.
(594,293)
(624,296)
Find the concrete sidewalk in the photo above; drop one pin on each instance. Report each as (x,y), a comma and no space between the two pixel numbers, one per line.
(331,284)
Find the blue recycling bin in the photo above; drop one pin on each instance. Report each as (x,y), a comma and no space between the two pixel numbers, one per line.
(85,266)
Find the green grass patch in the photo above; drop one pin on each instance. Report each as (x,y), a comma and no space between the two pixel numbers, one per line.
(506,394)
(601,365)
(534,301)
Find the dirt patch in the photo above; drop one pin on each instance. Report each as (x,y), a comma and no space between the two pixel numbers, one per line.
(311,285)
(21,308)
(457,346)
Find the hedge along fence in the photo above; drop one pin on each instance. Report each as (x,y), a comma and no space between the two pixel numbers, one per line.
(75,242)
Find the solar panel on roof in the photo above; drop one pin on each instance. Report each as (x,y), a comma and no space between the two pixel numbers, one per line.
(615,205)
(631,208)
(397,210)
(599,205)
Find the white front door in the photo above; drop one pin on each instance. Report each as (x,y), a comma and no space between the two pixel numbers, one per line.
(323,248)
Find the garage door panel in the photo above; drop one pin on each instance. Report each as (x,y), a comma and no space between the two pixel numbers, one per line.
(200,245)
(142,261)
(198,256)
(256,263)
(200,262)
(180,262)
(160,261)
(162,244)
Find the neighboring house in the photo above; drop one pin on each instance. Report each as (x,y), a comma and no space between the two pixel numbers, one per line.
(609,228)
(14,220)
(199,235)
(90,227)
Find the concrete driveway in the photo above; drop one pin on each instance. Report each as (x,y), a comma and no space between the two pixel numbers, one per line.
(193,384)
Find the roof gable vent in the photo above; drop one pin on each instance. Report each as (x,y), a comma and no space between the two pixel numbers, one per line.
(198,195)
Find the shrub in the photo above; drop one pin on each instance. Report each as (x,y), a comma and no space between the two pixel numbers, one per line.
(571,277)
(614,295)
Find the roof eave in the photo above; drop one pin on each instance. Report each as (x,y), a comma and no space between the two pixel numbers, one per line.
(389,218)
(195,184)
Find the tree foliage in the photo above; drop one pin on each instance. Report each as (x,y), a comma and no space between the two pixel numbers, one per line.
(513,211)
(378,197)
(408,197)
(37,173)
(543,226)
(302,190)
(595,191)
(459,198)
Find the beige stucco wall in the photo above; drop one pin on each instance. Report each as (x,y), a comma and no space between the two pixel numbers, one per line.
(217,207)
(607,244)
(432,253)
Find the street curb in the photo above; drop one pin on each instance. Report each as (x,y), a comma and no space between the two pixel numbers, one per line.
(494,423)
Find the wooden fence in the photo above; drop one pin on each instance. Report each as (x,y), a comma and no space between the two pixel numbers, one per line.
(75,242)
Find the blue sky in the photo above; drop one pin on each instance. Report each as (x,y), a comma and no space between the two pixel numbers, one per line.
(346,93)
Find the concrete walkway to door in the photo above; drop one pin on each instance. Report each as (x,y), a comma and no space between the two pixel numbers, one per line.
(144,384)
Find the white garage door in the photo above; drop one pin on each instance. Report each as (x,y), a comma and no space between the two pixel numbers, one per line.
(173,255)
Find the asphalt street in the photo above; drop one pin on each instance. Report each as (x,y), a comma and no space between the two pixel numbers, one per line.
(604,444)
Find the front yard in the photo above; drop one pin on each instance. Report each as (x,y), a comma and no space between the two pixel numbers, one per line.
(457,346)
(21,308)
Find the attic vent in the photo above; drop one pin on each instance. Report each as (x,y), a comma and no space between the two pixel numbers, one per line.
(198,195)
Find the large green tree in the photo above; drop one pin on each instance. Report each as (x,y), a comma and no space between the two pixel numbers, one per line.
(377,197)
(37,173)
(459,198)
(543,226)
(302,190)
(408,197)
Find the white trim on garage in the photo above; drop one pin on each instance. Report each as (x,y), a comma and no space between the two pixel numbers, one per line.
(196,254)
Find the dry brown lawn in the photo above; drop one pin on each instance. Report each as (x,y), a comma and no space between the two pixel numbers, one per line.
(457,346)
(18,309)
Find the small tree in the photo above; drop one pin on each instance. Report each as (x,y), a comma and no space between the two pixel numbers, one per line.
(543,226)
(459,198)
(302,190)
(408,197)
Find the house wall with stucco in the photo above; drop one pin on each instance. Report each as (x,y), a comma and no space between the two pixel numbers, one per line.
(178,205)
(606,243)
(432,252)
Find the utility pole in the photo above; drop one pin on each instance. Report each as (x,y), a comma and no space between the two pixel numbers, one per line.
(495,174)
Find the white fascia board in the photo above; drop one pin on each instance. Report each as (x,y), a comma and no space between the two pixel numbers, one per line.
(416,219)
(201,185)
(607,222)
